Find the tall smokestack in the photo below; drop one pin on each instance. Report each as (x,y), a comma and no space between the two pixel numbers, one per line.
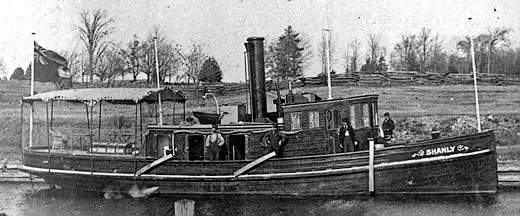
(255,50)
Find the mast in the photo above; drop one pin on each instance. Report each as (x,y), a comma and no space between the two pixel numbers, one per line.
(472,51)
(158,85)
(326,38)
(31,116)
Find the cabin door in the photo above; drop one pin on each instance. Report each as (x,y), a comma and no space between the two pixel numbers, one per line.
(237,147)
(331,122)
(195,147)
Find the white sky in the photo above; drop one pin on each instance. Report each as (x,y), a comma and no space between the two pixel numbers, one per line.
(224,25)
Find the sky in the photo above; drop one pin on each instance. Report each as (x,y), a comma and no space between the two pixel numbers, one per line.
(224,25)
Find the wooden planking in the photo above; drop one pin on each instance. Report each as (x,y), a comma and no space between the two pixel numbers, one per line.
(470,174)
(126,165)
(254,163)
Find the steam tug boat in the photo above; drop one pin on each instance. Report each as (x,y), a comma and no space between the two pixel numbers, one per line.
(137,148)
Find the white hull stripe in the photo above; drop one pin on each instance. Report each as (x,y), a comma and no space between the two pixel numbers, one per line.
(256,176)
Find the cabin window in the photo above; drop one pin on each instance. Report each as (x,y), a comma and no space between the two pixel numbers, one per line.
(314,119)
(330,121)
(353,115)
(296,121)
(375,119)
(365,118)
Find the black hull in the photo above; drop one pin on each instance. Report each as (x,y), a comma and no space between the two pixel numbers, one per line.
(396,171)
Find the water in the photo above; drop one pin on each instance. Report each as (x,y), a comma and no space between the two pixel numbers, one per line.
(38,199)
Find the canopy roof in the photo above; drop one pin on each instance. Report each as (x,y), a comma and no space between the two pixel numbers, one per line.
(112,95)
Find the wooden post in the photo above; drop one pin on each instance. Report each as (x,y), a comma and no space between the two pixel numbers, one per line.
(184,207)
(371,165)
(21,130)
(48,135)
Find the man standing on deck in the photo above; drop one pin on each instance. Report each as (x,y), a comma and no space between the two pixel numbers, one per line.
(275,140)
(388,127)
(347,136)
(214,142)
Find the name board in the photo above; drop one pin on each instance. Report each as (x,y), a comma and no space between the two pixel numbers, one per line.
(440,151)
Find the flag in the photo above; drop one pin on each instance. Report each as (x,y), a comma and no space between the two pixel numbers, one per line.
(47,64)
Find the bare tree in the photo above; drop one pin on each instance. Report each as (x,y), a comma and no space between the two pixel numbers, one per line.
(495,37)
(404,55)
(323,54)
(438,61)
(73,63)
(374,49)
(167,51)
(354,46)
(424,42)
(193,60)
(94,30)
(133,58)
(110,64)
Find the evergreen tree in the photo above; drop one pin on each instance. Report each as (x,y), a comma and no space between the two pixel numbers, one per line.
(287,58)
(210,71)
(18,74)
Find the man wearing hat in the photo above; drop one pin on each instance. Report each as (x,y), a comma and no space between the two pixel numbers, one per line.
(388,127)
(275,140)
(347,136)
(214,142)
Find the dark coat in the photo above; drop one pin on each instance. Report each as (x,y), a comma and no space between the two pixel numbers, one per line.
(275,141)
(388,127)
(341,132)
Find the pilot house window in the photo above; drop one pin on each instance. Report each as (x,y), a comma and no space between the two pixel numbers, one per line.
(353,116)
(296,121)
(314,119)
(366,116)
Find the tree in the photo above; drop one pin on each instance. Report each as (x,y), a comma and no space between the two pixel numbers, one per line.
(95,28)
(210,71)
(323,47)
(288,56)
(479,48)
(193,60)
(424,43)
(494,38)
(438,61)
(381,64)
(74,64)
(404,56)
(133,58)
(167,52)
(354,46)
(110,64)
(374,49)
(18,74)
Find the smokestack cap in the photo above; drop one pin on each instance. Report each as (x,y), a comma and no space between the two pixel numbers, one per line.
(255,38)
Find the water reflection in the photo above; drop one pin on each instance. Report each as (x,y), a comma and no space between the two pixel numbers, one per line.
(38,199)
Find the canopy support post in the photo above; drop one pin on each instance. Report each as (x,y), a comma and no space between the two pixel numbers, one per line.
(48,135)
(31,125)
(90,136)
(141,127)
(371,165)
(99,122)
(21,130)
(135,141)
(52,111)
